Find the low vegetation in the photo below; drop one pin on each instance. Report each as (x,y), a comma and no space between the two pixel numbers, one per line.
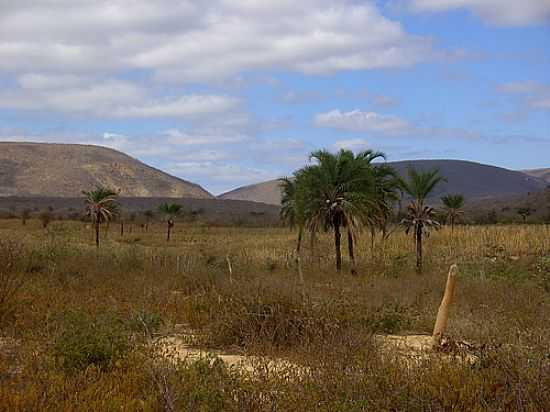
(79,323)
(85,327)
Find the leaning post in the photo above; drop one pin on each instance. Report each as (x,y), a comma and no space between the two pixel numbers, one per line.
(443,312)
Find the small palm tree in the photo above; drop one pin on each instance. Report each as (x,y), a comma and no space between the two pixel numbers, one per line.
(148,217)
(292,207)
(524,212)
(453,208)
(420,218)
(25,215)
(293,213)
(101,206)
(170,211)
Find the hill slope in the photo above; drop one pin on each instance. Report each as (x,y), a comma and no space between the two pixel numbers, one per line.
(265,192)
(64,170)
(543,174)
(473,180)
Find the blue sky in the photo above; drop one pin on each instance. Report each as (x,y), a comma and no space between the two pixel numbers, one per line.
(232,92)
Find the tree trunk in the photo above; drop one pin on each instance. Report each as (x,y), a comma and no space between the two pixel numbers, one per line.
(418,233)
(97,233)
(121,228)
(170,225)
(337,242)
(372,237)
(299,256)
(351,254)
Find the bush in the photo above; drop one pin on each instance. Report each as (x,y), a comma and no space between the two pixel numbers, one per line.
(145,322)
(90,340)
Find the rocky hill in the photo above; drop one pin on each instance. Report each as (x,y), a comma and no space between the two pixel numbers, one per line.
(473,180)
(65,170)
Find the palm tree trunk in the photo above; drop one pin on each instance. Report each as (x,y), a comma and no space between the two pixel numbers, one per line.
(337,242)
(170,224)
(418,233)
(97,233)
(372,237)
(299,243)
(299,257)
(351,254)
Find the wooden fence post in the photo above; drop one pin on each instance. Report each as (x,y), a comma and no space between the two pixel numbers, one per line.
(443,312)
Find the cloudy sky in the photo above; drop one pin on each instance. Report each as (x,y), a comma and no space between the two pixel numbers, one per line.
(231,92)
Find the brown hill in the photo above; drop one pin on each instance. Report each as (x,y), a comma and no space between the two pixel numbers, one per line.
(265,192)
(543,174)
(473,180)
(64,170)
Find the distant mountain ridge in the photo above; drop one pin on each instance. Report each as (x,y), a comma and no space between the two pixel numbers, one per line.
(543,174)
(473,180)
(65,170)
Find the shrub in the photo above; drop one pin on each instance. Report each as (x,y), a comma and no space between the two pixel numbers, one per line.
(85,340)
(145,322)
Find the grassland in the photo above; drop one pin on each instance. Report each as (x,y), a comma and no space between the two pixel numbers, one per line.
(78,326)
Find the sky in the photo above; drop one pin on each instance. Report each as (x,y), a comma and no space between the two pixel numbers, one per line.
(227,93)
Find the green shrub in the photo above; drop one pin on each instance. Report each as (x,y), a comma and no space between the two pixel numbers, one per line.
(90,340)
(145,322)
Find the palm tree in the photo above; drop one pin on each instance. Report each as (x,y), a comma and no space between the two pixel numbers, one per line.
(524,212)
(387,195)
(419,217)
(293,213)
(453,208)
(170,211)
(25,215)
(101,206)
(148,217)
(292,207)
(338,191)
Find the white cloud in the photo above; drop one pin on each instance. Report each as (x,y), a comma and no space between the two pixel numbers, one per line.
(187,41)
(351,144)
(184,106)
(498,12)
(519,87)
(358,121)
(541,102)
(535,95)
(385,101)
(109,98)
(178,137)
(41,81)
(114,141)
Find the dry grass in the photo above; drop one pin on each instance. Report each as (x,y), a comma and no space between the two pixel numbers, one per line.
(76,335)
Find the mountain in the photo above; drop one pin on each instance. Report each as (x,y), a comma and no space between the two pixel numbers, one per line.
(473,180)
(65,170)
(543,174)
(265,192)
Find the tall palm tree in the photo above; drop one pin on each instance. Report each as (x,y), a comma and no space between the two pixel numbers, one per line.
(337,192)
(453,208)
(292,206)
(293,213)
(419,217)
(170,211)
(387,196)
(101,206)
